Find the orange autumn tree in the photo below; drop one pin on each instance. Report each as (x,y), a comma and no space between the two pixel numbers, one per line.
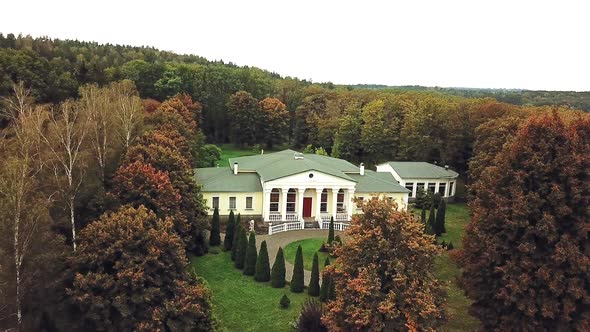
(275,123)
(384,274)
(131,273)
(526,253)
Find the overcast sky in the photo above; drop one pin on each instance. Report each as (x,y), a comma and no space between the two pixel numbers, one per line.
(492,44)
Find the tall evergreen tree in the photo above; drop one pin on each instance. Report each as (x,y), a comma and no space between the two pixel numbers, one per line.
(430,225)
(325,289)
(331,231)
(298,280)
(236,241)
(314,283)
(251,256)
(215,237)
(228,241)
(262,264)
(241,249)
(440,217)
(277,276)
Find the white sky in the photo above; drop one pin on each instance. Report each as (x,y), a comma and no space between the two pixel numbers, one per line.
(493,44)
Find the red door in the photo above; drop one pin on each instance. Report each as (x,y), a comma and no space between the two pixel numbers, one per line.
(306,207)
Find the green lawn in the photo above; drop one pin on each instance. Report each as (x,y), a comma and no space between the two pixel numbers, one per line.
(242,304)
(308,247)
(231,151)
(457,217)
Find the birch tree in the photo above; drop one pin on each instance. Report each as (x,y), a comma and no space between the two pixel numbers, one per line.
(20,205)
(128,110)
(99,108)
(63,131)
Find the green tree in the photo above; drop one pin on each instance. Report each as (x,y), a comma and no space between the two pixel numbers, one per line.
(277,275)
(431,223)
(440,217)
(209,155)
(245,116)
(347,142)
(331,231)
(325,289)
(314,282)
(251,256)
(298,281)
(241,249)
(215,237)
(262,264)
(228,240)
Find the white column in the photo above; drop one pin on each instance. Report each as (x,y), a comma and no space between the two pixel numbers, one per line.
(414,189)
(454,188)
(334,201)
(436,187)
(350,202)
(284,192)
(446,193)
(300,192)
(265,204)
(318,205)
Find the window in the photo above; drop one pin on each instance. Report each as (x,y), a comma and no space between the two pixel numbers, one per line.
(419,186)
(274,200)
(340,201)
(215,203)
(441,188)
(451,188)
(324,201)
(410,187)
(431,187)
(359,202)
(291,198)
(232,203)
(249,203)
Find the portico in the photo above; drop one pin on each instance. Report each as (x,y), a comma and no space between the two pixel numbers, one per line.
(290,204)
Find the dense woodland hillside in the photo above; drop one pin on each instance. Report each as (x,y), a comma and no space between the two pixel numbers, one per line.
(100,209)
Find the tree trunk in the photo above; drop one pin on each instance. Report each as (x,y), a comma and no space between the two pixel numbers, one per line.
(72,220)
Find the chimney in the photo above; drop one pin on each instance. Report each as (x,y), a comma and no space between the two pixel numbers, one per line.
(235,168)
(261,151)
(447,167)
(362,167)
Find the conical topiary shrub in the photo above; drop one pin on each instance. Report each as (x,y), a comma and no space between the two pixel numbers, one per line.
(237,225)
(277,275)
(430,223)
(241,249)
(229,232)
(314,283)
(440,217)
(298,280)
(331,231)
(215,237)
(262,264)
(251,256)
(325,289)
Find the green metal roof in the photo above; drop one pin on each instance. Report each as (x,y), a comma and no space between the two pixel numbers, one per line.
(277,165)
(222,179)
(377,182)
(421,170)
